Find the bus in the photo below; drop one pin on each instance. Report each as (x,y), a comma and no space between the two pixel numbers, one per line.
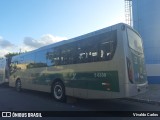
(104,64)
(4,75)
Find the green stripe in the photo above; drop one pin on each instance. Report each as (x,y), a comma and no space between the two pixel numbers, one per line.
(94,80)
(85,80)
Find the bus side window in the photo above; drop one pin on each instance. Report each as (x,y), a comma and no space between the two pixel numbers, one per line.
(54,57)
(13,67)
(57,56)
(93,55)
(50,57)
(30,60)
(83,51)
(107,46)
(88,50)
(65,55)
(105,51)
(40,60)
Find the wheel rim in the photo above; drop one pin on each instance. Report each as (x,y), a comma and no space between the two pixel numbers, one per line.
(58,91)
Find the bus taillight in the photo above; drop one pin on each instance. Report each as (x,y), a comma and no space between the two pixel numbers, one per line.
(130,72)
(107,85)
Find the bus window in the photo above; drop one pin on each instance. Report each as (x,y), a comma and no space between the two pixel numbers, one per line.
(30,60)
(107,46)
(40,60)
(53,56)
(105,49)
(83,51)
(13,66)
(50,58)
(135,41)
(93,54)
(56,56)
(87,50)
(68,53)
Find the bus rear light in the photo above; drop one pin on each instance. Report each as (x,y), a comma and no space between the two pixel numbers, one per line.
(105,84)
(130,72)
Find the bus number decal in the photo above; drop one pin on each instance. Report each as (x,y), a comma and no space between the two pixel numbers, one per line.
(100,75)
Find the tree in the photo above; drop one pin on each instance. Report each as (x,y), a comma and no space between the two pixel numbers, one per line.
(9,55)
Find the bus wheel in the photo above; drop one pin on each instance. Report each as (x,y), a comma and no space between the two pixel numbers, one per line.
(18,85)
(58,91)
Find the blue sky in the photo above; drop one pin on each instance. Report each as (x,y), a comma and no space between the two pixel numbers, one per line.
(29,24)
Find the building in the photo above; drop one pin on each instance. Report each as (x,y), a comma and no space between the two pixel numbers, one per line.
(146,20)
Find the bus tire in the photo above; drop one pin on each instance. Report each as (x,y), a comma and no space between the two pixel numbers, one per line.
(58,91)
(18,85)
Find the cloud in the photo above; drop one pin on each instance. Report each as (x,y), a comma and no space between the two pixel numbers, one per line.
(6,47)
(48,38)
(5,43)
(30,43)
(3,52)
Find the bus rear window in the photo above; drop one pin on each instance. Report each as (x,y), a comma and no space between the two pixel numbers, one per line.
(135,42)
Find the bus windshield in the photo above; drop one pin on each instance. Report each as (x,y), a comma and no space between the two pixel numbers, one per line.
(135,42)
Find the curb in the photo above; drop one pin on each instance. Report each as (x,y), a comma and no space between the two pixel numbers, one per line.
(144,101)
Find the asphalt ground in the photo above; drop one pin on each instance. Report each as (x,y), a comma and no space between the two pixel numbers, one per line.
(152,96)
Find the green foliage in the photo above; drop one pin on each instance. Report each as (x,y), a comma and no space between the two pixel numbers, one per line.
(11,55)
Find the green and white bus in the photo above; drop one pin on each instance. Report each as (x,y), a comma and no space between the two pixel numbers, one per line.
(108,63)
(2,70)
(4,75)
